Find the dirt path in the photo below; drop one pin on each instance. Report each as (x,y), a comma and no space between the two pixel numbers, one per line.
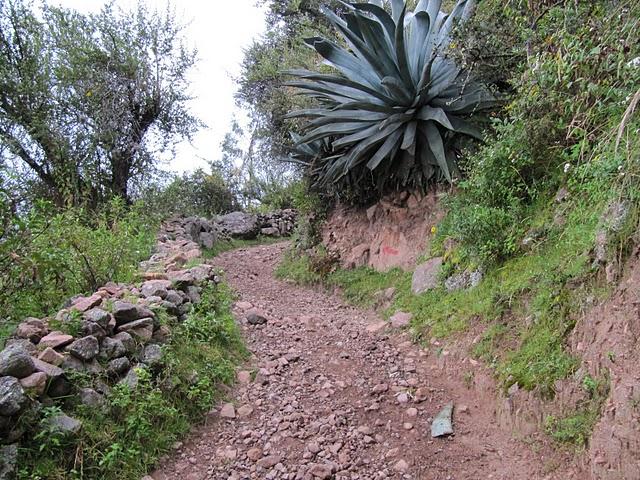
(337,396)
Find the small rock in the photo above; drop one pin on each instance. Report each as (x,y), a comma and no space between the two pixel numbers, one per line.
(412,412)
(401,466)
(244,377)
(52,371)
(127,341)
(64,424)
(376,326)
(99,317)
(323,472)
(49,355)
(228,411)
(442,424)
(35,383)
(269,461)
(254,454)
(402,398)
(245,411)
(112,348)
(256,317)
(83,304)
(401,320)
(425,276)
(91,398)
(130,379)
(124,312)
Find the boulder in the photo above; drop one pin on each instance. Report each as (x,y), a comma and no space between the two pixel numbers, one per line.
(12,397)
(91,398)
(240,225)
(26,345)
(155,288)
(85,349)
(118,366)
(425,276)
(56,340)
(16,362)
(32,329)
(111,348)
(127,341)
(152,355)
(99,317)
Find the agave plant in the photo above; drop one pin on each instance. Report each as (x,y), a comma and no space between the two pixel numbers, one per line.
(396,104)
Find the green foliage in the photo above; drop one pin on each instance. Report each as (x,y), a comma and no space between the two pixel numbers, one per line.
(126,437)
(560,128)
(398,106)
(48,257)
(576,427)
(193,194)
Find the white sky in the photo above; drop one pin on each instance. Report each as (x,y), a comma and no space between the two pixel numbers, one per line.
(220,30)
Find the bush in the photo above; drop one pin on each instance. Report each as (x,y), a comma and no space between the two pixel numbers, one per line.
(194,194)
(48,257)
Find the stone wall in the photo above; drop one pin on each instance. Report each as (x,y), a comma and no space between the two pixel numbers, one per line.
(241,225)
(394,232)
(105,335)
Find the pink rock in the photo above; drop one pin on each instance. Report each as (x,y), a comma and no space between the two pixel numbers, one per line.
(401,320)
(36,382)
(49,355)
(83,304)
(425,277)
(32,329)
(56,340)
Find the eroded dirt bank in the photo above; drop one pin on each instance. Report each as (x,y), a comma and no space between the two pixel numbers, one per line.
(336,394)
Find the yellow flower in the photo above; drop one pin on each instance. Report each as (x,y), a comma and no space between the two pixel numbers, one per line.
(434,229)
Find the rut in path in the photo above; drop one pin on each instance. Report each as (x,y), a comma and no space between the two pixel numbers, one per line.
(338,396)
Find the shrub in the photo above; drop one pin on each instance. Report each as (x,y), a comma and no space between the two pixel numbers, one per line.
(395,111)
(48,257)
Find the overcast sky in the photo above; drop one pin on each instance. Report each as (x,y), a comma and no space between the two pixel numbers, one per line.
(219,30)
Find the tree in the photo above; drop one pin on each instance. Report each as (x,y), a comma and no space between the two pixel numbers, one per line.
(86,100)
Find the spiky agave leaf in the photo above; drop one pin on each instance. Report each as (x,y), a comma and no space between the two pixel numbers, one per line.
(396,103)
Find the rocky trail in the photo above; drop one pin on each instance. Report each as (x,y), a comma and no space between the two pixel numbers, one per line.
(332,391)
